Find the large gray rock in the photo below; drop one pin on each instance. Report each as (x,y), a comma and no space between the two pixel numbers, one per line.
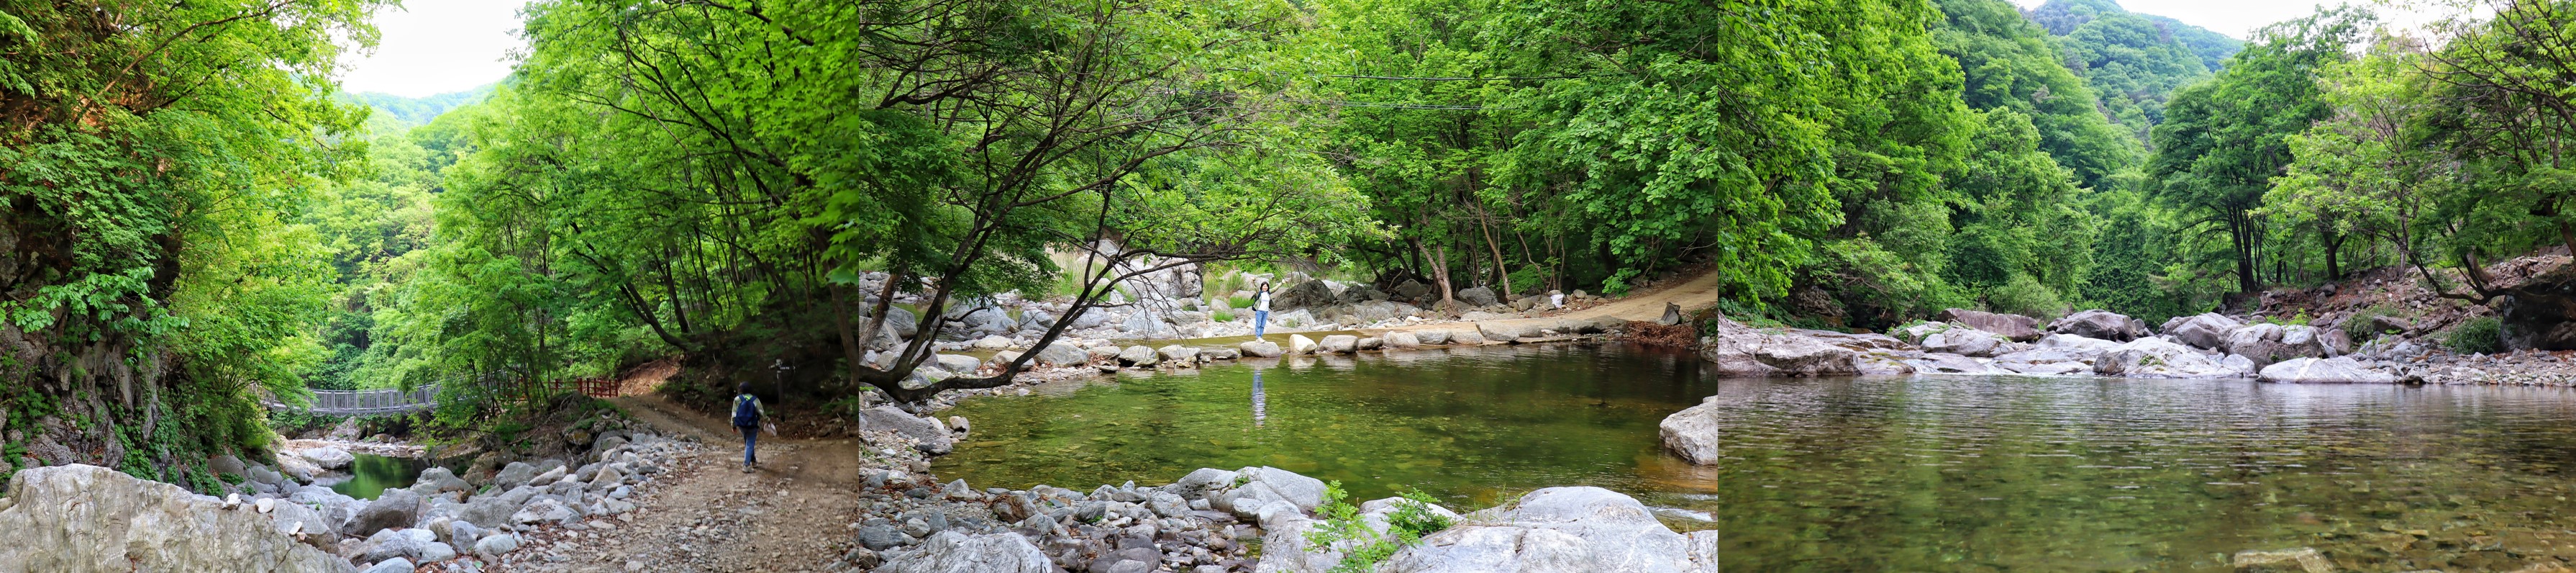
(1312,293)
(1433,337)
(2269,343)
(1178,354)
(2101,324)
(2206,331)
(1261,348)
(1557,529)
(496,507)
(1300,345)
(1744,351)
(496,544)
(953,552)
(437,480)
(932,438)
(295,518)
(1479,296)
(1692,432)
(1966,342)
(514,475)
(1400,339)
(396,509)
(2160,357)
(328,458)
(1139,355)
(1501,331)
(80,518)
(1263,485)
(956,362)
(544,511)
(2013,327)
(1468,337)
(1337,344)
(1062,353)
(394,565)
(2324,370)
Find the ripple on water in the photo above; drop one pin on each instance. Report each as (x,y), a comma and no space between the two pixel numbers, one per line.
(1998,473)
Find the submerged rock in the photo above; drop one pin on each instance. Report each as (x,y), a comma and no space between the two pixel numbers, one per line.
(81,518)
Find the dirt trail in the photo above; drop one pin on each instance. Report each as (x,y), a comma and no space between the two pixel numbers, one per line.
(1699,291)
(792,514)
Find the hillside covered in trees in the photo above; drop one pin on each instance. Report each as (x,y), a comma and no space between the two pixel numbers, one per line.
(196,223)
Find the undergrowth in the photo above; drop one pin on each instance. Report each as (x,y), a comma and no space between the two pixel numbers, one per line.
(1341,523)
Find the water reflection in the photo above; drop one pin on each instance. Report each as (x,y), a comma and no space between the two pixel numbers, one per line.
(1471,424)
(1981,474)
(372,474)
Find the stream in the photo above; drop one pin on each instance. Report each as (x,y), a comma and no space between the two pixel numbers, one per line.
(1907,473)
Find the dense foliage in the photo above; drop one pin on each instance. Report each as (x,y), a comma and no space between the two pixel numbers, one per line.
(749,183)
(155,158)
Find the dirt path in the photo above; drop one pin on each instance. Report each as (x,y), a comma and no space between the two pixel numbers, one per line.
(793,514)
(1699,291)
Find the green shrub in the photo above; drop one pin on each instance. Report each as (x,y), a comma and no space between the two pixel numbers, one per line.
(2025,296)
(1341,523)
(2483,334)
(1221,316)
(1239,302)
(2360,324)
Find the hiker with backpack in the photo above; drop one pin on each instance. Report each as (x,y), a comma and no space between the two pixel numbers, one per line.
(746,417)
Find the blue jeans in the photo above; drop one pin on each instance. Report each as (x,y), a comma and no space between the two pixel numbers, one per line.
(750,437)
(1260,322)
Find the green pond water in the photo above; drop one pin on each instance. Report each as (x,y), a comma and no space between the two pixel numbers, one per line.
(1866,474)
(1469,425)
(371,475)
(2086,474)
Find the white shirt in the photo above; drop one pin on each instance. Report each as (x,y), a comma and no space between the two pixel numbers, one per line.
(1261,302)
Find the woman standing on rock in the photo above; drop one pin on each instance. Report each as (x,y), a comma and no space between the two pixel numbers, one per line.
(746,417)
(1261,312)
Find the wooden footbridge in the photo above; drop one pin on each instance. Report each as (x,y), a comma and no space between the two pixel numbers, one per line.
(421,399)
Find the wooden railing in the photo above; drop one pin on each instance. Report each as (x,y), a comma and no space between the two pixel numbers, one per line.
(367,402)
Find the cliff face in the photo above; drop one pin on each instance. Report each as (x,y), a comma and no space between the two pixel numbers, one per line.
(84,387)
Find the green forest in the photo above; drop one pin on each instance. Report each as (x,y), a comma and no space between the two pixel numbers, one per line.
(199,217)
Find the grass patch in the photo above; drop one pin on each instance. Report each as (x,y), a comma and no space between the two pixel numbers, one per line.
(1222,316)
(2483,334)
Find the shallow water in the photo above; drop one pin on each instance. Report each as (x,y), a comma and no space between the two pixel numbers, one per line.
(1868,474)
(2034,474)
(372,474)
(1470,425)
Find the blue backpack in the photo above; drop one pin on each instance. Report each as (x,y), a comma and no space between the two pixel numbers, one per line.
(746,411)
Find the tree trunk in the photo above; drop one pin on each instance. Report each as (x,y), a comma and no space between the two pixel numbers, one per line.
(1439,270)
(1501,275)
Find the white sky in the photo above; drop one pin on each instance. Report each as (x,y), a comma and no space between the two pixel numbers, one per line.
(431,47)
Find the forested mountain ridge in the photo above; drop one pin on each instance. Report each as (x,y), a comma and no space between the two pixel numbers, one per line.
(2135,61)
